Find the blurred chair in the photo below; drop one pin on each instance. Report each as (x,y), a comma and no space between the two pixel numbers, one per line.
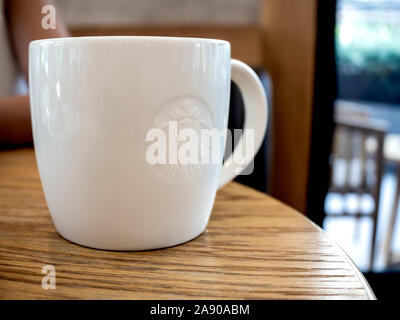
(357,165)
(392,155)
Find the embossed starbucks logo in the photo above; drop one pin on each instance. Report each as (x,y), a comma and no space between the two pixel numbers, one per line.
(176,144)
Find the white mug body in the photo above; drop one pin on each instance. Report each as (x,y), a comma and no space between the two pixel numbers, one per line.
(93,102)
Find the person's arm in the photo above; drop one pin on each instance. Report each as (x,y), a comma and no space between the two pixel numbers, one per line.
(24,20)
(15,123)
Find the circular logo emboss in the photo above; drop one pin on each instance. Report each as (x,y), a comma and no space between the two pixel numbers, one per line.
(176,147)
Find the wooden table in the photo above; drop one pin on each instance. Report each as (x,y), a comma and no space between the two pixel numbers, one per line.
(254,248)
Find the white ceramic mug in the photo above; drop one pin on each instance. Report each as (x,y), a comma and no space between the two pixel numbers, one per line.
(93,99)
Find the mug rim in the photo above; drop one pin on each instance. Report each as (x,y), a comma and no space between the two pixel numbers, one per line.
(126,38)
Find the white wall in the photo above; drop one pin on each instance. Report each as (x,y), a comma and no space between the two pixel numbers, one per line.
(120,12)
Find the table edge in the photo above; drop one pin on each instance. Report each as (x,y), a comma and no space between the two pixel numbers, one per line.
(369,292)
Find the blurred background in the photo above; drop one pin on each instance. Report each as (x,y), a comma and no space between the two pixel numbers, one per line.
(331,70)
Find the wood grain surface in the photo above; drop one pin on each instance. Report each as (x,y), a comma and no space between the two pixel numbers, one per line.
(253,248)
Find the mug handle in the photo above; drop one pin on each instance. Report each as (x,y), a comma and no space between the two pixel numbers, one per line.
(256,116)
